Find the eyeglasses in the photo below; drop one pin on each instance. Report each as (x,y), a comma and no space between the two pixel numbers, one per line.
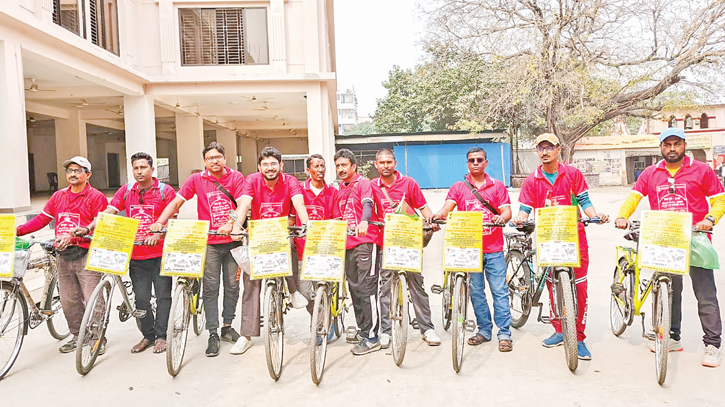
(273,164)
(541,149)
(75,171)
(215,158)
(476,160)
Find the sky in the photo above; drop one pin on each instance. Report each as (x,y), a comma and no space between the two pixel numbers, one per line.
(371,37)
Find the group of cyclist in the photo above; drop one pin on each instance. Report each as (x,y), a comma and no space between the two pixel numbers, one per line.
(677,183)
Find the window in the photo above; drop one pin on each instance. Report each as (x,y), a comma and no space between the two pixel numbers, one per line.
(66,13)
(102,17)
(688,122)
(704,121)
(348,98)
(224,36)
(672,122)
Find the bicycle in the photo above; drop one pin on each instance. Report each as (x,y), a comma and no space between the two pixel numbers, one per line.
(19,311)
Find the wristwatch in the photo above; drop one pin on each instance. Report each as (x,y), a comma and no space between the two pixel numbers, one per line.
(711,219)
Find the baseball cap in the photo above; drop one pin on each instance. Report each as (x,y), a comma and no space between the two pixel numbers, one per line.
(82,161)
(671,131)
(551,138)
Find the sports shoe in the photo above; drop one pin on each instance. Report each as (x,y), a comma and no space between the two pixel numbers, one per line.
(229,334)
(298,300)
(69,346)
(384,341)
(242,345)
(431,338)
(711,358)
(213,348)
(557,339)
(673,346)
(582,351)
(366,346)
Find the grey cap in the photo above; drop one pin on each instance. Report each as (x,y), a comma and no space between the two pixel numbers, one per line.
(82,161)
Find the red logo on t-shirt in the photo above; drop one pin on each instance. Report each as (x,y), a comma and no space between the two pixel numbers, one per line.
(219,207)
(675,202)
(67,222)
(269,210)
(145,216)
(315,212)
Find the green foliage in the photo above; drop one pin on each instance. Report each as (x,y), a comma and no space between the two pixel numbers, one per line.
(361,129)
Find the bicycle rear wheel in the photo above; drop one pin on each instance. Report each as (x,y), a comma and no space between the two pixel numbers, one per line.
(399,317)
(621,302)
(458,317)
(13,325)
(273,330)
(661,322)
(567,312)
(320,328)
(177,329)
(199,317)
(338,298)
(520,287)
(92,334)
(447,298)
(57,324)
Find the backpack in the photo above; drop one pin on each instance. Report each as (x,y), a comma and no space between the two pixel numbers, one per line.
(162,186)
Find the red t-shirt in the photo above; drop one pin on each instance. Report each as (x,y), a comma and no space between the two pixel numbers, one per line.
(212,204)
(538,192)
(146,213)
(271,203)
(694,182)
(401,186)
(492,191)
(322,206)
(351,198)
(69,211)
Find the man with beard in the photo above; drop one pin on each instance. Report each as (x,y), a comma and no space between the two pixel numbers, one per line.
(270,193)
(681,184)
(217,190)
(555,183)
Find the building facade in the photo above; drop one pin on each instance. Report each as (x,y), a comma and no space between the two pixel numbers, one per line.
(346,109)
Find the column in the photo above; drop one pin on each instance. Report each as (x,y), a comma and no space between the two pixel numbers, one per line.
(189,145)
(248,146)
(228,138)
(320,133)
(70,140)
(140,126)
(14,140)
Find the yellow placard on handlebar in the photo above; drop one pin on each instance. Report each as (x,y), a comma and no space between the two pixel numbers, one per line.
(664,241)
(185,248)
(112,244)
(557,236)
(7,245)
(269,248)
(324,256)
(403,243)
(463,242)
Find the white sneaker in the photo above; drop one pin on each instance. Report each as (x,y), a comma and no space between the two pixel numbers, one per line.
(298,300)
(431,338)
(672,345)
(242,345)
(711,358)
(384,341)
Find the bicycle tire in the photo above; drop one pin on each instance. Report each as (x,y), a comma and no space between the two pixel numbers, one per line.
(177,330)
(93,327)
(340,310)
(399,318)
(567,313)
(621,306)
(13,323)
(273,331)
(57,324)
(199,317)
(661,324)
(520,287)
(319,329)
(458,332)
(447,300)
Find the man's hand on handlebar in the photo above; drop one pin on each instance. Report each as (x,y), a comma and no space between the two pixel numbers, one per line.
(518,219)
(152,239)
(498,219)
(604,217)
(362,228)
(704,225)
(621,223)
(63,241)
(225,229)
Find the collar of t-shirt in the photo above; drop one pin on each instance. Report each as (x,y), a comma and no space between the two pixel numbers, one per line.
(486,181)
(398,178)
(207,174)
(84,191)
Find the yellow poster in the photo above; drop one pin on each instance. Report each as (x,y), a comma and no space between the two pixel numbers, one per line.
(463,242)
(324,256)
(664,241)
(403,243)
(557,236)
(185,248)
(269,248)
(112,244)
(7,245)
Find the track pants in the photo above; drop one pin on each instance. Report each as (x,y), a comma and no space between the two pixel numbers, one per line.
(582,299)
(362,277)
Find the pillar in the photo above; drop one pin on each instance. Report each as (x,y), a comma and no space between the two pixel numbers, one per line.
(228,138)
(140,127)
(189,144)
(248,151)
(320,132)
(71,140)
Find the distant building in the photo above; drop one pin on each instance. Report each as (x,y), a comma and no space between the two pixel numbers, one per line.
(346,109)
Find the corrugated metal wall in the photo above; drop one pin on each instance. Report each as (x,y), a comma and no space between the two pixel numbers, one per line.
(440,165)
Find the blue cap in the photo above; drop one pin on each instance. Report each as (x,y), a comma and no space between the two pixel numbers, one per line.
(672,131)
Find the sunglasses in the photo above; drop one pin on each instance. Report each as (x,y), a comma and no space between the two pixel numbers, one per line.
(476,160)
(671,185)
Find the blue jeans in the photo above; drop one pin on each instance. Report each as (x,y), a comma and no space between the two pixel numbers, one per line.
(494,266)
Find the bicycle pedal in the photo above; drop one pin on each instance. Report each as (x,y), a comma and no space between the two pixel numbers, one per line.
(545,319)
(436,289)
(469,325)
(139,313)
(414,323)
(650,336)
(617,288)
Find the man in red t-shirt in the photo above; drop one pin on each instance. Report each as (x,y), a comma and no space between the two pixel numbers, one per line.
(491,198)
(145,200)
(269,193)
(217,191)
(357,200)
(73,207)
(555,183)
(391,190)
(681,184)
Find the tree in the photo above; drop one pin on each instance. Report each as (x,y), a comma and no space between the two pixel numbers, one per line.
(567,66)
(360,129)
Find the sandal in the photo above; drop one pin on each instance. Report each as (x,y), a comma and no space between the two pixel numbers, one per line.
(160,345)
(505,345)
(142,346)
(477,339)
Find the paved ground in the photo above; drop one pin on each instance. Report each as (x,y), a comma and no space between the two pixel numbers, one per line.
(621,372)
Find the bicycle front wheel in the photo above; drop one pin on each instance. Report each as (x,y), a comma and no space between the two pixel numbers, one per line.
(273,330)
(320,328)
(621,302)
(399,317)
(567,312)
(661,325)
(447,299)
(57,324)
(92,334)
(520,287)
(458,316)
(177,329)
(199,317)
(13,325)
(338,298)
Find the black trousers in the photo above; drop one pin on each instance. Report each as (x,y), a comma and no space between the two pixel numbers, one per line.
(703,284)
(362,277)
(144,274)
